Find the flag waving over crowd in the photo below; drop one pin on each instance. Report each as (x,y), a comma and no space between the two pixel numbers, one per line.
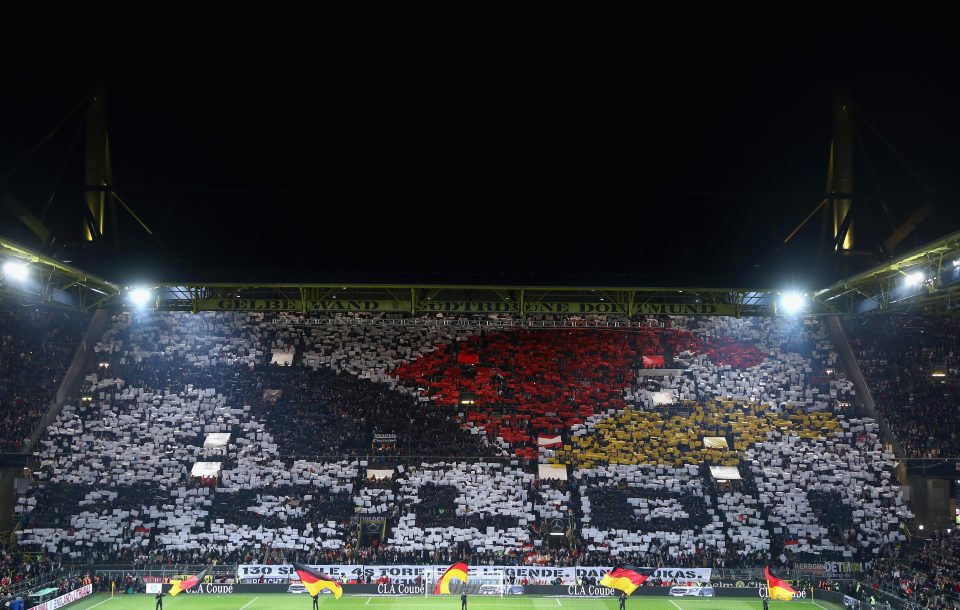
(457,571)
(626,578)
(315,582)
(778,589)
(182,585)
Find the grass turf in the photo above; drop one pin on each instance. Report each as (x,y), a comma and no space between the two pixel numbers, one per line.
(280,601)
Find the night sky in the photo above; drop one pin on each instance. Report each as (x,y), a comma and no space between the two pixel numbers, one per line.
(648,164)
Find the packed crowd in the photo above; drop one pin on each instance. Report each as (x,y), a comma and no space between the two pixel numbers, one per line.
(930,577)
(36,346)
(19,571)
(899,356)
(116,482)
(481,505)
(535,383)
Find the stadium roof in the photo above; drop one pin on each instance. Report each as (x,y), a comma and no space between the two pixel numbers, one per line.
(673,174)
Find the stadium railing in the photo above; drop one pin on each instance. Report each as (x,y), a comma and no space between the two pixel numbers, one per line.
(41,581)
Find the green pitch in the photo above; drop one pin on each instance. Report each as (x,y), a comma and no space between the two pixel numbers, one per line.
(280,601)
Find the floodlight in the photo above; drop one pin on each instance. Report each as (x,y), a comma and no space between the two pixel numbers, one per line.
(921,527)
(140,296)
(15,270)
(792,302)
(916,278)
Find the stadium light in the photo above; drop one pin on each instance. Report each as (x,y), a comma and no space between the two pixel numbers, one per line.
(140,296)
(915,279)
(16,270)
(793,302)
(921,527)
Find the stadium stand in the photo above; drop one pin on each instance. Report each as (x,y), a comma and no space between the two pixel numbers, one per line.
(555,501)
(675,436)
(18,571)
(465,410)
(929,577)
(792,477)
(36,346)
(539,382)
(898,355)
(483,505)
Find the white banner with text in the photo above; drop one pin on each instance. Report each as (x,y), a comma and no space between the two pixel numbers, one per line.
(544,575)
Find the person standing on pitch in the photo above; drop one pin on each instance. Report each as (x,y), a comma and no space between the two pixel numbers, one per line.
(623,600)
(315,606)
(766,603)
(159,600)
(463,601)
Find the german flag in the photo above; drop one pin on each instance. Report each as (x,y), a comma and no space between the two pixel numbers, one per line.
(776,588)
(626,578)
(458,570)
(180,586)
(315,582)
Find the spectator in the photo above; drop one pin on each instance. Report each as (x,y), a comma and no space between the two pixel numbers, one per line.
(36,346)
(898,356)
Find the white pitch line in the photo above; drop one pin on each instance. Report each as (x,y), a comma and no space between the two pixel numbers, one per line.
(674,605)
(558,602)
(103,602)
(368,601)
(818,605)
(248,603)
